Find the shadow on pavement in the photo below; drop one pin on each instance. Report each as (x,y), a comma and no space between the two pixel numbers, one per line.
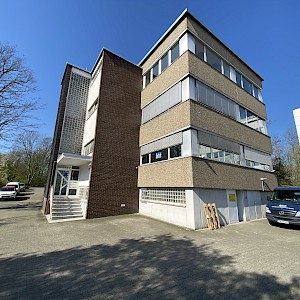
(158,268)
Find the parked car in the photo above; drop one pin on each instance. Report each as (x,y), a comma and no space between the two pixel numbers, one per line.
(284,206)
(22,187)
(8,192)
(15,184)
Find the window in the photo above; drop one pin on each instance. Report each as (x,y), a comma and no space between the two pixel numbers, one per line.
(255,91)
(247,86)
(176,196)
(147,78)
(164,62)
(243,114)
(175,151)
(93,107)
(72,192)
(159,155)
(74,175)
(145,159)
(155,70)
(89,148)
(226,69)
(174,52)
(238,78)
(199,49)
(213,60)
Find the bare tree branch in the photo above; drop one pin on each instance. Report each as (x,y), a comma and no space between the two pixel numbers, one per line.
(17,85)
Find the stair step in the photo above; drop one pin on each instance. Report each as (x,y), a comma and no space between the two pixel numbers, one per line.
(66,217)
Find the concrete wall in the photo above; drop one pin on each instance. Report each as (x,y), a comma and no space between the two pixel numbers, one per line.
(222,50)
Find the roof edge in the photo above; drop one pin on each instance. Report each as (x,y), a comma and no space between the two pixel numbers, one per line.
(185,13)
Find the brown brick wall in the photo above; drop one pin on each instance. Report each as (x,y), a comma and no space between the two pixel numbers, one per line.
(116,153)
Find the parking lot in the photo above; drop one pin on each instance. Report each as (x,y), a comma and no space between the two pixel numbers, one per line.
(134,257)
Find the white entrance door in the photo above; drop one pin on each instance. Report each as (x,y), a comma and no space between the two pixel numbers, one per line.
(232,207)
(61,182)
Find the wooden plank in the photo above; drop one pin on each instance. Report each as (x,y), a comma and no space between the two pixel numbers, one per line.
(212,217)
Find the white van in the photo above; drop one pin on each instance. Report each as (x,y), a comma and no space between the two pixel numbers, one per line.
(15,184)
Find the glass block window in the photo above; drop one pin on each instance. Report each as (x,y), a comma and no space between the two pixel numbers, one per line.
(167,196)
(75,114)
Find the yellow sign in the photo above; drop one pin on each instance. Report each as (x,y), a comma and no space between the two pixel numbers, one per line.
(232,197)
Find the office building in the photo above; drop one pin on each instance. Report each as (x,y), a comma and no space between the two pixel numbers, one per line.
(202,136)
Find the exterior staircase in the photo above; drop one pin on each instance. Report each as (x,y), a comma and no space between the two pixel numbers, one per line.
(66,209)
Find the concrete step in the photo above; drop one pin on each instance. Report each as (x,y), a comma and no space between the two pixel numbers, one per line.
(66,209)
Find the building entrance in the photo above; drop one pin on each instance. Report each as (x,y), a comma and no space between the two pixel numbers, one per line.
(66,183)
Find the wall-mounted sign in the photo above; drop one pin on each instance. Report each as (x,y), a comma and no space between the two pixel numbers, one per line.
(232,197)
(158,155)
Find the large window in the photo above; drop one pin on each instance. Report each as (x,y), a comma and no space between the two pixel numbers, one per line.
(213,60)
(164,102)
(162,154)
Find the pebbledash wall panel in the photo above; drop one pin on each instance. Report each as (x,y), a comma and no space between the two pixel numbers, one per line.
(113,180)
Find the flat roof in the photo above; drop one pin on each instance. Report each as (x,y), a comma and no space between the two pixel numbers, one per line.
(183,15)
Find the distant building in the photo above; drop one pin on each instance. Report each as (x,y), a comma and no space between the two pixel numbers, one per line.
(296,113)
(184,128)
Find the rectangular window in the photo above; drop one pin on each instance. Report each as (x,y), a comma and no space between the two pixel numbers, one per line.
(226,69)
(155,70)
(159,155)
(255,91)
(243,114)
(175,151)
(72,192)
(89,148)
(74,175)
(238,78)
(247,86)
(174,52)
(145,159)
(164,62)
(213,60)
(199,49)
(147,78)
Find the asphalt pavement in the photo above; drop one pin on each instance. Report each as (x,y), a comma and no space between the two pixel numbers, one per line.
(134,257)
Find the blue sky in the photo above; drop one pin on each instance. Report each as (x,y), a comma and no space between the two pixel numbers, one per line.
(265,34)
